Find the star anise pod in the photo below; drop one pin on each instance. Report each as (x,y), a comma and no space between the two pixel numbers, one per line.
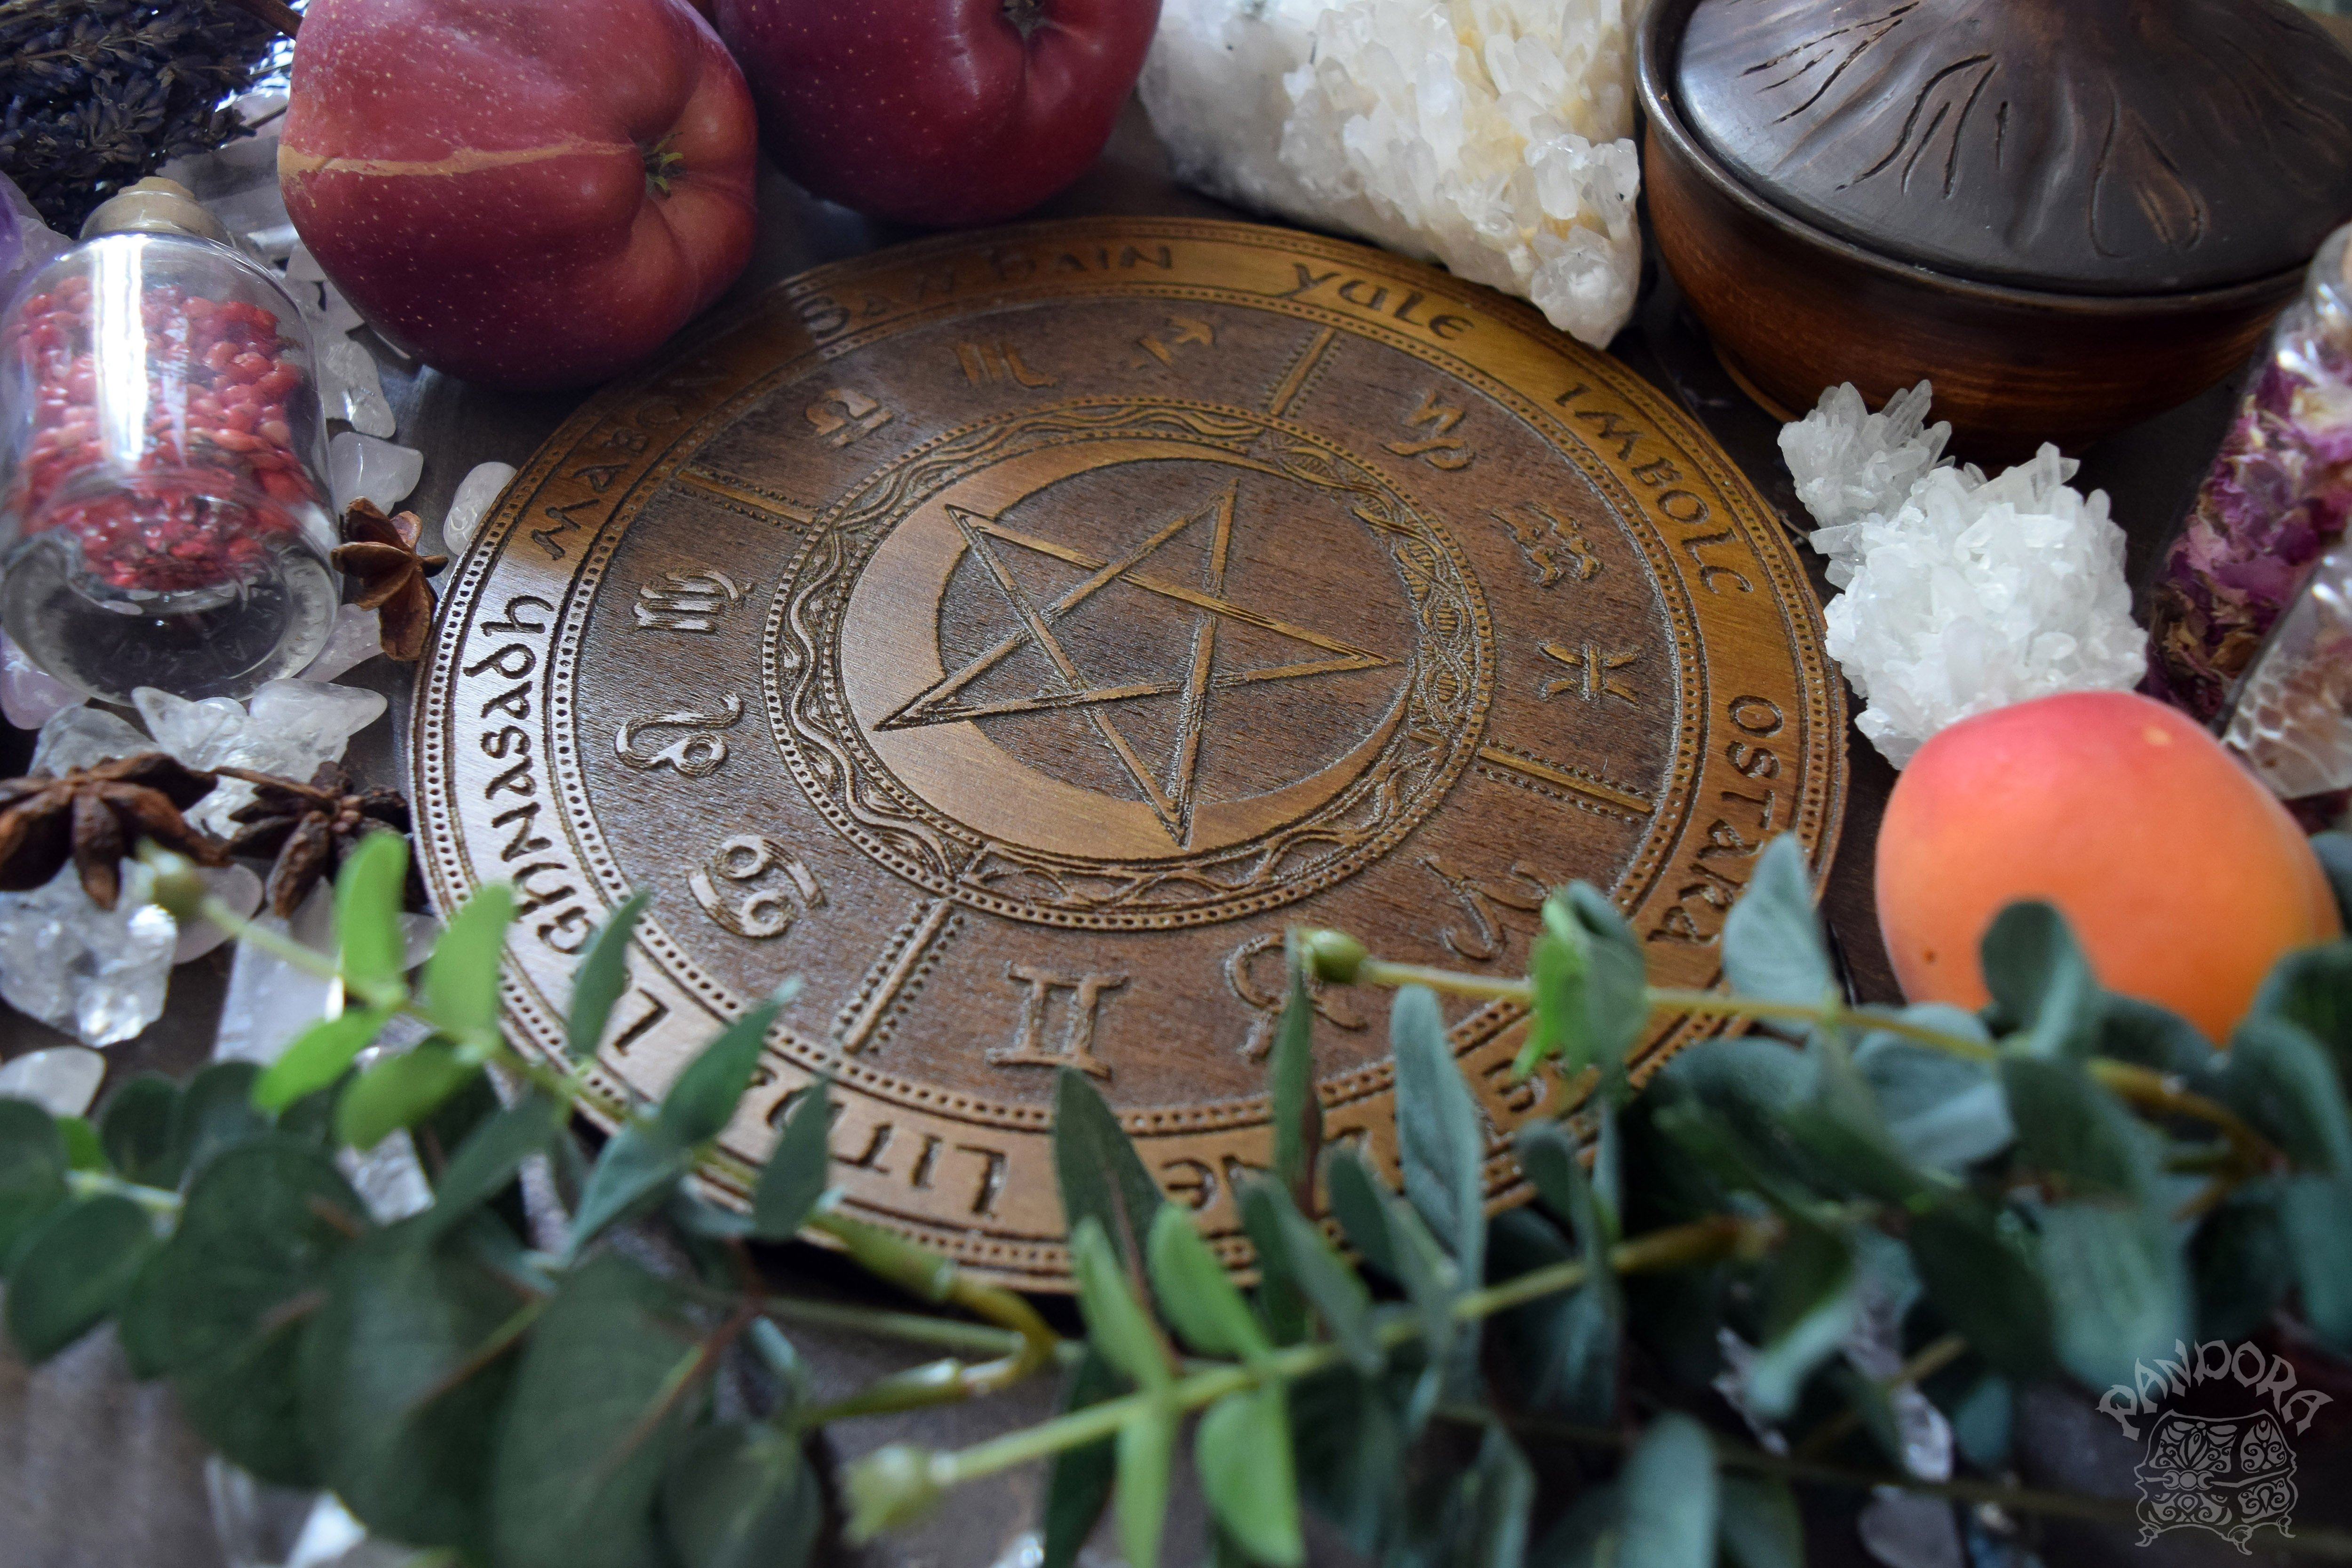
(94,816)
(309,827)
(379,555)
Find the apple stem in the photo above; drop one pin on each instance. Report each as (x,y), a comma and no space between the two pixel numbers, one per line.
(1026,15)
(661,159)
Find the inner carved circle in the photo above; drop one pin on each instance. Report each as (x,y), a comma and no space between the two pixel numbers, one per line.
(1128,666)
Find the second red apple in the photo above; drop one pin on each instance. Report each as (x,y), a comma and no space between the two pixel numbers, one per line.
(938,111)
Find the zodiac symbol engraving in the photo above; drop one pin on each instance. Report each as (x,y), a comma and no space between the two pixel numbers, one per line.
(695,755)
(763,913)
(687,601)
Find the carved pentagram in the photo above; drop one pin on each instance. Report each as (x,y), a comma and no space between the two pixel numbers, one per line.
(1012,634)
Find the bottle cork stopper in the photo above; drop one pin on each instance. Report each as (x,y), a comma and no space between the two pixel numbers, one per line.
(155,205)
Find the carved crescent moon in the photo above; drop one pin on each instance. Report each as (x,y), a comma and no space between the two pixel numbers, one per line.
(889,654)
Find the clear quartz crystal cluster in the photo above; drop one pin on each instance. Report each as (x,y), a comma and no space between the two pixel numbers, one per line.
(1492,135)
(1962,593)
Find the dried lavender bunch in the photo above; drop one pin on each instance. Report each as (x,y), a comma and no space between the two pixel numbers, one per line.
(95,94)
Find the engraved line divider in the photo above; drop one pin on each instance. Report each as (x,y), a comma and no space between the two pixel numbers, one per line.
(1561,778)
(875,998)
(741,494)
(1294,381)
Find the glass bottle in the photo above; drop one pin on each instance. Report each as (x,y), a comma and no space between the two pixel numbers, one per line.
(2278,498)
(164,512)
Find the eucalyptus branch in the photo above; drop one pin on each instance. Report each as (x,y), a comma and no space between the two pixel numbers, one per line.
(1674,1246)
(102,1183)
(1929,1360)
(2317,1541)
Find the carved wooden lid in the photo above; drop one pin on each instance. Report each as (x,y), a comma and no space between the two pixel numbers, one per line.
(1012,634)
(2084,146)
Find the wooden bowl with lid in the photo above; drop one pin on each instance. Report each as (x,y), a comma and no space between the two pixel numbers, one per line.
(2070,214)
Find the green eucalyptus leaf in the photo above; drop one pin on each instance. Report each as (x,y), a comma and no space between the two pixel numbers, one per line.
(399,1401)
(1196,1297)
(369,892)
(487,1162)
(1979,1273)
(703,1098)
(1941,1110)
(1588,1535)
(1100,1175)
(2119,1288)
(2240,1264)
(1359,1203)
(1772,946)
(1115,1320)
(2133,1030)
(2312,988)
(1812,1299)
(1758,1524)
(2334,851)
(794,1177)
(742,1495)
(73,1268)
(1564,1348)
(1669,1497)
(1592,987)
(640,1166)
(1242,1450)
(1349,1450)
(135,1129)
(1323,1277)
(1557,967)
(2311,1212)
(598,1405)
(2076,1128)
(2041,984)
(1495,1497)
(461,978)
(33,1165)
(1431,1284)
(214,1114)
(319,1056)
(603,976)
(1146,1450)
(1281,1305)
(83,1150)
(1290,1082)
(1078,1488)
(222,1307)
(1439,1134)
(2280,1080)
(399,1091)
(1981,1406)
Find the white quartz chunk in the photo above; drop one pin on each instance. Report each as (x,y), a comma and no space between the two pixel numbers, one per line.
(361,467)
(1494,136)
(83,738)
(290,728)
(356,638)
(98,974)
(61,1080)
(352,389)
(476,493)
(29,696)
(235,886)
(1966,594)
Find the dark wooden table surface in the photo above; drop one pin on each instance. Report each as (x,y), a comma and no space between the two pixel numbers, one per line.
(97,1471)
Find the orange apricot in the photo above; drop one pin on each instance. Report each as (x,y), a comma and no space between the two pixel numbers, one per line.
(2184,881)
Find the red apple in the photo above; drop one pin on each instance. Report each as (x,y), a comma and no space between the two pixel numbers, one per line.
(522,192)
(938,111)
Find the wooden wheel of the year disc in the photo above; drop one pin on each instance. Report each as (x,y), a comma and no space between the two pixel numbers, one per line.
(1012,634)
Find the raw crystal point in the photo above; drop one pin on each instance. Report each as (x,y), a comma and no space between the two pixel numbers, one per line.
(352,388)
(1492,135)
(335,315)
(235,886)
(356,638)
(61,1080)
(2293,720)
(1849,462)
(290,728)
(29,696)
(83,738)
(362,468)
(1977,594)
(301,267)
(98,974)
(270,1001)
(476,493)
